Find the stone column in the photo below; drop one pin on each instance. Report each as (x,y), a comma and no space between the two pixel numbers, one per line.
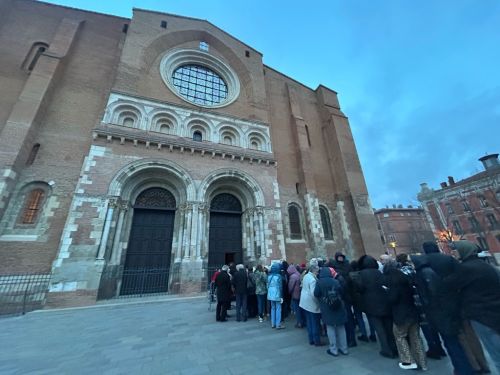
(251,234)
(261,231)
(202,215)
(111,204)
(194,231)
(187,231)
(116,250)
(180,238)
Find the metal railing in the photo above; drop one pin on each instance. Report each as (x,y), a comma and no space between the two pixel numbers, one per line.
(20,294)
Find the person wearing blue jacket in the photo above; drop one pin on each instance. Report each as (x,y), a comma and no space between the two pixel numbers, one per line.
(275,295)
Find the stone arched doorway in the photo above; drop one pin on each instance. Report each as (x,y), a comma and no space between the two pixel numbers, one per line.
(225,234)
(147,261)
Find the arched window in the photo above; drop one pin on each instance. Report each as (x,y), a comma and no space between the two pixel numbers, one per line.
(227,140)
(255,145)
(294,221)
(326,223)
(33,205)
(197,136)
(33,153)
(36,50)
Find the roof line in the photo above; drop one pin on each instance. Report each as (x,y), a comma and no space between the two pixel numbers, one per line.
(77,9)
(197,19)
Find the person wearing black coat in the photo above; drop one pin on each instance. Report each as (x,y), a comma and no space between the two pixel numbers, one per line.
(342,266)
(405,317)
(239,281)
(478,285)
(376,304)
(223,288)
(333,318)
(441,304)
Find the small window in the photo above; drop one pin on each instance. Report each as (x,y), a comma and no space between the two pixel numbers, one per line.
(294,220)
(163,24)
(247,53)
(36,50)
(466,206)
(482,243)
(474,224)
(204,46)
(197,136)
(308,138)
(297,185)
(254,145)
(125,28)
(492,220)
(32,206)
(482,201)
(386,215)
(33,153)
(325,223)
(449,208)
(457,227)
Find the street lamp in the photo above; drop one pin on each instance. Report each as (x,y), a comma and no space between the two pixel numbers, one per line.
(393,244)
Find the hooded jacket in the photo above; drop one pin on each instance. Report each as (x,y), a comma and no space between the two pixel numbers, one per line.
(275,283)
(400,295)
(374,297)
(439,303)
(343,266)
(326,282)
(293,282)
(478,287)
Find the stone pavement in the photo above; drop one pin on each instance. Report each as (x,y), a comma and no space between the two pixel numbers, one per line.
(177,336)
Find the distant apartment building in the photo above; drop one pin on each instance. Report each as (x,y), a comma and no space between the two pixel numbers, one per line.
(467,209)
(403,229)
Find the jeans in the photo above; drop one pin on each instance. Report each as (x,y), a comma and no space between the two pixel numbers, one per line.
(337,338)
(275,313)
(358,314)
(313,327)
(457,355)
(261,301)
(241,306)
(490,340)
(296,311)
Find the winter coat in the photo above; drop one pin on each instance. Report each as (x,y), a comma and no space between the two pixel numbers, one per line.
(354,289)
(440,304)
(374,298)
(260,282)
(331,317)
(223,285)
(400,296)
(239,282)
(307,300)
(293,282)
(274,284)
(478,285)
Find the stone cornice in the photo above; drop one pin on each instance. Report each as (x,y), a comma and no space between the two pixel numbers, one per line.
(139,138)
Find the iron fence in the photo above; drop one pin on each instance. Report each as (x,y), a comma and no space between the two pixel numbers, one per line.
(20,294)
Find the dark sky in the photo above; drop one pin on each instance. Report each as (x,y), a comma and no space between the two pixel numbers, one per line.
(419,80)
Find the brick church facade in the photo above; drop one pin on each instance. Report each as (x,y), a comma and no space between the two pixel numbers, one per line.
(162,144)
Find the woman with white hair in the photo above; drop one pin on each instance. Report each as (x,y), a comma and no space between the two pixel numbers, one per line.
(310,304)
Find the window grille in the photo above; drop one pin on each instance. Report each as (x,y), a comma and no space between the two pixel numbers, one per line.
(294,219)
(33,206)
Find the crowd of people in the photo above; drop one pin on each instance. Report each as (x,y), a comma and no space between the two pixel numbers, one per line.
(453,300)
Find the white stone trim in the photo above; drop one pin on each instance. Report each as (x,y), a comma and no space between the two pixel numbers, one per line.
(175,58)
(183,119)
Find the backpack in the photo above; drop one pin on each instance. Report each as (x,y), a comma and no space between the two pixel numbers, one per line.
(332,299)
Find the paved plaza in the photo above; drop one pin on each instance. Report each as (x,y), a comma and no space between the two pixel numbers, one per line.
(176,336)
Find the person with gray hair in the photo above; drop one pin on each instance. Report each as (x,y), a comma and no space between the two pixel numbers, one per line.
(310,304)
(239,281)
